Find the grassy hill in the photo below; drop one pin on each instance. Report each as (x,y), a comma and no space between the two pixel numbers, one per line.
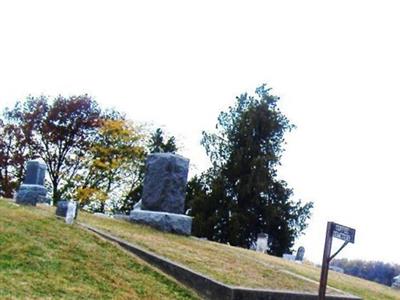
(100,263)
(238,266)
(43,258)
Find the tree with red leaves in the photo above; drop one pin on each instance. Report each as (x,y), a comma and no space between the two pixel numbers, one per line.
(59,131)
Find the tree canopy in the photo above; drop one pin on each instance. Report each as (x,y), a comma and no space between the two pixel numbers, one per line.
(90,153)
(240,195)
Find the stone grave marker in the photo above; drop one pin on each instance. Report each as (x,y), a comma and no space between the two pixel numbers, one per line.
(300,253)
(262,243)
(396,282)
(63,207)
(32,190)
(163,200)
(289,256)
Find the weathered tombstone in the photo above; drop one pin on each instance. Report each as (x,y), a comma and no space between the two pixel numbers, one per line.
(32,190)
(35,172)
(71,212)
(300,253)
(288,256)
(164,184)
(396,282)
(262,243)
(62,209)
(163,200)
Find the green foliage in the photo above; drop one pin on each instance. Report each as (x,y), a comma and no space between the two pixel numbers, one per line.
(157,143)
(240,195)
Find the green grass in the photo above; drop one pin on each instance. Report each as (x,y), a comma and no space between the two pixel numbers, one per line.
(89,277)
(237,266)
(43,258)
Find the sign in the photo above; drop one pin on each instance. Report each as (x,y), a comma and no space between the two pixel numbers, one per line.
(344,233)
(338,231)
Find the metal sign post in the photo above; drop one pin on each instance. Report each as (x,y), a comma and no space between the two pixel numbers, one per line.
(344,233)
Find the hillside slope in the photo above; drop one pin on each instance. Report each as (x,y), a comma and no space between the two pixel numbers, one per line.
(237,266)
(60,261)
(42,257)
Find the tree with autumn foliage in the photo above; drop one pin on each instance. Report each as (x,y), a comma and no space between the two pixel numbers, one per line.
(14,151)
(59,131)
(111,163)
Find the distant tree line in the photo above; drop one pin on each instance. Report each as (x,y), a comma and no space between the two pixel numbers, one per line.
(371,270)
(97,157)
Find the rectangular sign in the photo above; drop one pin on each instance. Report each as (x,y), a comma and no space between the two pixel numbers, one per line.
(343,233)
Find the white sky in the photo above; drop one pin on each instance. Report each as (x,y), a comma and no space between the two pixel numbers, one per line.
(177,64)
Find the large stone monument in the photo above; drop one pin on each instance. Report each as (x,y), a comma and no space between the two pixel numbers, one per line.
(163,200)
(32,190)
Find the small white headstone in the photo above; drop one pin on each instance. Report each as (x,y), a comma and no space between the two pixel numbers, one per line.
(262,243)
(71,211)
(396,282)
(288,256)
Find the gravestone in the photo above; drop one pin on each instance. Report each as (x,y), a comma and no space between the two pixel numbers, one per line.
(396,282)
(262,243)
(163,200)
(300,253)
(32,190)
(35,172)
(164,184)
(289,256)
(62,209)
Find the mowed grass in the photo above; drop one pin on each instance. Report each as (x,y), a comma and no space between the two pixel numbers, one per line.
(234,265)
(43,258)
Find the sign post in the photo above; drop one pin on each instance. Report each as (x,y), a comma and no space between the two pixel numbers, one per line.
(341,232)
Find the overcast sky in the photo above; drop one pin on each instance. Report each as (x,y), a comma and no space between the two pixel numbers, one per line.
(177,64)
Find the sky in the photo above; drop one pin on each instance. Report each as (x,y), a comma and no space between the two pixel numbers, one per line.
(177,64)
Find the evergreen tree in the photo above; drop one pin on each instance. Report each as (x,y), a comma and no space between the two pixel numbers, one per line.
(157,143)
(240,195)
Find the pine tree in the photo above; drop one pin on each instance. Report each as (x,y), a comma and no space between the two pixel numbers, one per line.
(241,195)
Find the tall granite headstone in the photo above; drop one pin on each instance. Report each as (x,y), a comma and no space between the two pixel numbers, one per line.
(163,200)
(165,181)
(32,190)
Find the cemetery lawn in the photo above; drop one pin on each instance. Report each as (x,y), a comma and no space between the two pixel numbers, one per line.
(42,257)
(237,266)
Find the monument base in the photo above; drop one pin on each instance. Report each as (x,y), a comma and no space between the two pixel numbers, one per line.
(30,194)
(164,221)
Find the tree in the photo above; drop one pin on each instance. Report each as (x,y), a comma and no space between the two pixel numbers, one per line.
(371,270)
(12,157)
(111,161)
(157,143)
(240,195)
(59,132)
(15,149)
